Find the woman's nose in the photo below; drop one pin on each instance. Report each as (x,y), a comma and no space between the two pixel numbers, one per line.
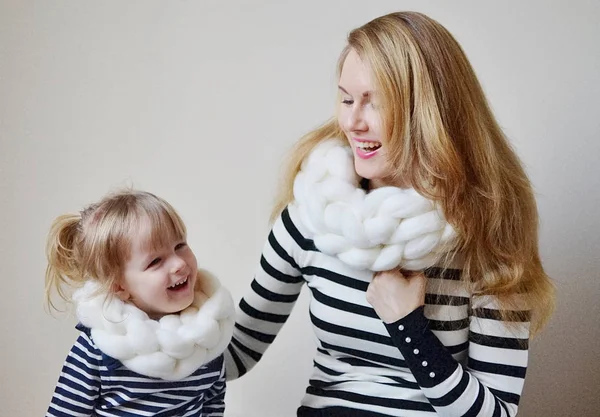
(355,121)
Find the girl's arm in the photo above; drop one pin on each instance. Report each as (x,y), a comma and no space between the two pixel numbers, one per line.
(78,386)
(214,405)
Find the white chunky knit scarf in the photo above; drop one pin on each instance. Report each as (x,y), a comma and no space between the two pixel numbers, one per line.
(379,230)
(171,348)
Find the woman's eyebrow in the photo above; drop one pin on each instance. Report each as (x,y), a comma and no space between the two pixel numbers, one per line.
(365,94)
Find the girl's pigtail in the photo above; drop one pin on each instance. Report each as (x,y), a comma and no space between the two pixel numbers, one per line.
(64,268)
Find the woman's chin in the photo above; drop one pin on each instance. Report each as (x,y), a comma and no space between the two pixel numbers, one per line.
(367,170)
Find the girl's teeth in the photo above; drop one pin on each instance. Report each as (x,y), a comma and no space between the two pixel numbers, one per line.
(178,283)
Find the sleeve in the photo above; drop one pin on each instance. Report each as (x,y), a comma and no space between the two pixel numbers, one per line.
(214,406)
(272,295)
(491,382)
(78,385)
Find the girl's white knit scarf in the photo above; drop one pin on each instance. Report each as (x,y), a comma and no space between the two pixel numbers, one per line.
(171,348)
(379,230)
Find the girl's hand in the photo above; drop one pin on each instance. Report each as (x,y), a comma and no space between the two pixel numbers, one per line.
(394,295)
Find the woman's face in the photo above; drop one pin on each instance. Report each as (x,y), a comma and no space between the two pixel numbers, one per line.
(360,118)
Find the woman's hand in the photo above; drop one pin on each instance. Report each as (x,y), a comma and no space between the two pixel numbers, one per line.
(394,295)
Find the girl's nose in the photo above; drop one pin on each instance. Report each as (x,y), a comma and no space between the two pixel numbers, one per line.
(178,265)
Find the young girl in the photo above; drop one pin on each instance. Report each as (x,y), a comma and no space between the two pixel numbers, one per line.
(153,326)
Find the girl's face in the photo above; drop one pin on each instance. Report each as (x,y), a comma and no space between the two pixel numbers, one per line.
(360,119)
(159,281)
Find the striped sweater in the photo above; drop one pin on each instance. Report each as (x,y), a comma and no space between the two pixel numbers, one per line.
(452,357)
(94,384)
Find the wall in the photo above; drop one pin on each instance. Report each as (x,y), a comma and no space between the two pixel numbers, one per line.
(198,101)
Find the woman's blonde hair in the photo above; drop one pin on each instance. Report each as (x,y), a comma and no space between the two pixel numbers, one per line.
(96,243)
(442,137)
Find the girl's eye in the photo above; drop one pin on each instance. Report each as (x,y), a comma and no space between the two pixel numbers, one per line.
(154,262)
(348,102)
(180,246)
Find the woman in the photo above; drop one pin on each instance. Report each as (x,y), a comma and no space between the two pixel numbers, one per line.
(412,222)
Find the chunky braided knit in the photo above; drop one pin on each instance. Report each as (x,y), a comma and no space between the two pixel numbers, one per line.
(171,348)
(385,228)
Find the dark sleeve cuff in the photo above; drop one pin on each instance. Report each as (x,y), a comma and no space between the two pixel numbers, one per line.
(425,355)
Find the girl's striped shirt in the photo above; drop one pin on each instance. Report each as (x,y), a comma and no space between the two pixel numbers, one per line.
(94,384)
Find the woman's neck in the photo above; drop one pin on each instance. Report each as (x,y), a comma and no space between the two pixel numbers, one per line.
(386,182)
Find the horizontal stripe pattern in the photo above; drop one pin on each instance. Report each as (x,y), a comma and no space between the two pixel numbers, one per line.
(359,369)
(93,384)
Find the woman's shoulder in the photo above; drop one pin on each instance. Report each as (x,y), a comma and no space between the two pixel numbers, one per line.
(290,223)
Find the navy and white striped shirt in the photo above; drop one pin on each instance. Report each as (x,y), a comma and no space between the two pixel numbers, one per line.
(94,384)
(453,357)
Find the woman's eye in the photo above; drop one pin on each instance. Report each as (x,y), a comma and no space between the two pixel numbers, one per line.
(348,102)
(154,262)
(180,246)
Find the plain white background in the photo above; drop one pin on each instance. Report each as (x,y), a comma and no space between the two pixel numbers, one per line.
(198,101)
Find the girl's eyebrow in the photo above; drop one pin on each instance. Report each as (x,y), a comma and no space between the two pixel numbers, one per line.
(147,257)
(365,94)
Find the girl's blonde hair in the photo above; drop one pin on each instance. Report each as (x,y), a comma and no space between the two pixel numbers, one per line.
(441,135)
(96,243)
